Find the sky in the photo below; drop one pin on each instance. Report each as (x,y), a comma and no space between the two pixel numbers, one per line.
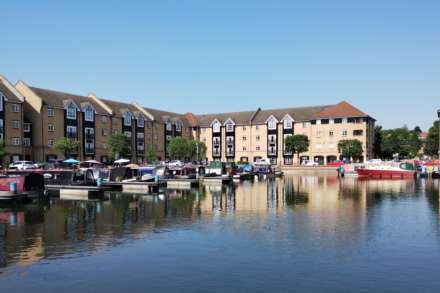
(205,56)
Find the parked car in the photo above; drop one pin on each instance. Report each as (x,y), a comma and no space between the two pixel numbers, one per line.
(335,163)
(309,163)
(22,165)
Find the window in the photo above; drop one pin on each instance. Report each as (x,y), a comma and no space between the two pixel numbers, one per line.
(229,127)
(140,141)
(15,141)
(272,123)
(330,133)
(169,126)
(140,121)
(15,124)
(287,124)
(344,132)
(50,112)
(257,127)
(104,132)
(51,127)
(27,127)
(89,134)
(2,98)
(244,138)
(71,131)
(359,132)
(178,126)
(1,129)
(244,128)
(257,148)
(51,142)
(15,108)
(127,119)
(89,114)
(244,149)
(104,118)
(325,121)
(216,127)
(272,139)
(168,138)
(257,137)
(338,120)
(71,111)
(127,134)
(27,142)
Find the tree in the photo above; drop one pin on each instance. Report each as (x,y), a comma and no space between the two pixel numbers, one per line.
(197,150)
(179,149)
(417,130)
(432,140)
(150,155)
(2,150)
(119,146)
(378,136)
(400,141)
(350,148)
(298,143)
(66,145)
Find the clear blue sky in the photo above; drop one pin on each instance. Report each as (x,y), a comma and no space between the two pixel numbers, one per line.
(209,56)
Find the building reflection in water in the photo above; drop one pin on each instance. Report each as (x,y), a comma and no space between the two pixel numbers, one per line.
(305,208)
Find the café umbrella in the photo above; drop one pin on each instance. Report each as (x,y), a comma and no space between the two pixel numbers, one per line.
(71,161)
(122,161)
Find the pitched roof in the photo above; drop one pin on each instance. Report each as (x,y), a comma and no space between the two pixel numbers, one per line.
(119,108)
(240,118)
(165,116)
(341,110)
(8,93)
(298,114)
(57,99)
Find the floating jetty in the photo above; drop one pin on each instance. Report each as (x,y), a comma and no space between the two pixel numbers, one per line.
(77,191)
(135,187)
(181,183)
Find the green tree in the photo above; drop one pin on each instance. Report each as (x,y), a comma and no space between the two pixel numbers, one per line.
(2,150)
(378,136)
(298,143)
(119,146)
(197,150)
(179,149)
(400,141)
(150,155)
(432,140)
(350,148)
(67,146)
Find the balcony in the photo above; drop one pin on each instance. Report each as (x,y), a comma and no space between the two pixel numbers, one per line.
(272,151)
(90,136)
(89,150)
(71,135)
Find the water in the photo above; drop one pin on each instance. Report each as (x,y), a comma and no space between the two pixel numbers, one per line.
(299,233)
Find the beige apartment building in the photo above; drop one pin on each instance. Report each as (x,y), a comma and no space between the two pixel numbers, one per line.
(253,135)
(33,119)
(12,131)
(92,120)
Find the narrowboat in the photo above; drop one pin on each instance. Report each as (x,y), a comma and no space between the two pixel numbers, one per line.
(390,170)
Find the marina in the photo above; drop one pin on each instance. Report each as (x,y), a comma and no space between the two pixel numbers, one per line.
(294,224)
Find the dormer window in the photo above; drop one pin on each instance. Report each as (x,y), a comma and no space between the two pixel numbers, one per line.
(216,127)
(229,125)
(140,121)
(2,98)
(169,126)
(127,119)
(71,111)
(272,123)
(178,126)
(89,114)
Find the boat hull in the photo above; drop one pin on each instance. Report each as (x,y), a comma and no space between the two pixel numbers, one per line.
(386,174)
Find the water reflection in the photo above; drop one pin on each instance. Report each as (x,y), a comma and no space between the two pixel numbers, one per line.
(312,210)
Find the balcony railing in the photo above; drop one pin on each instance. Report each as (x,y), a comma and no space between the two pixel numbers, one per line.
(71,135)
(89,150)
(90,137)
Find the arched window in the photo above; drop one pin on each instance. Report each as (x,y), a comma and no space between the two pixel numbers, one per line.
(89,114)
(216,126)
(71,111)
(127,119)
